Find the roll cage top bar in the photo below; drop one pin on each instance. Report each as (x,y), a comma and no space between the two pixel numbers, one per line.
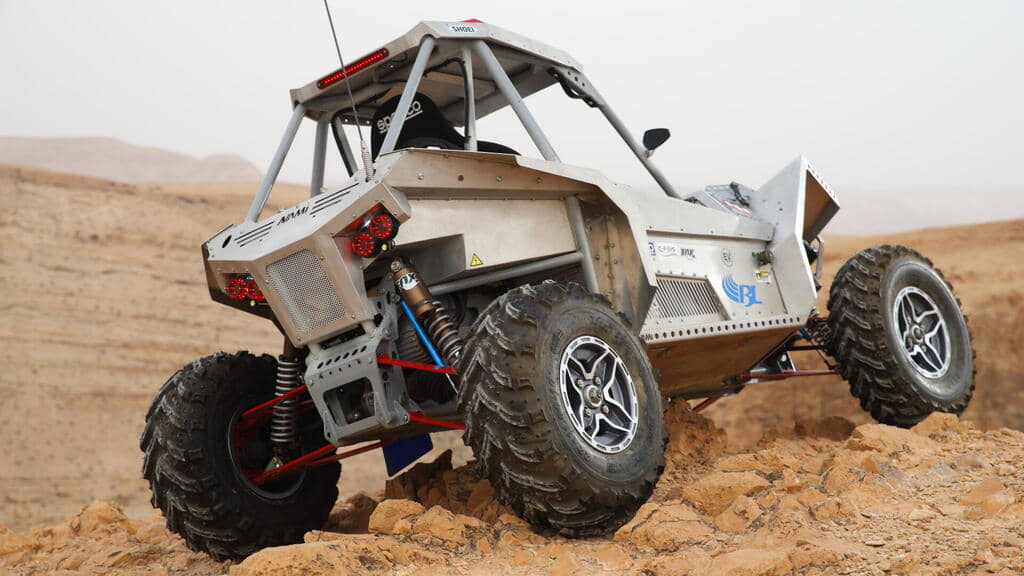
(512,66)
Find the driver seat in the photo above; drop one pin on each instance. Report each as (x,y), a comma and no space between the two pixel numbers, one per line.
(425,127)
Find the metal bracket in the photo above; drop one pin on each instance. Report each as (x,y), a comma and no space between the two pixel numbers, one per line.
(350,363)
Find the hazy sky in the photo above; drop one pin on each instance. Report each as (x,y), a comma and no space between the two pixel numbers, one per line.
(879,94)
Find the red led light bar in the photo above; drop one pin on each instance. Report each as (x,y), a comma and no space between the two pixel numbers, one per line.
(475,21)
(365,61)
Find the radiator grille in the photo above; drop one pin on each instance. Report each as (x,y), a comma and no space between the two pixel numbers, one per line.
(685,298)
(305,289)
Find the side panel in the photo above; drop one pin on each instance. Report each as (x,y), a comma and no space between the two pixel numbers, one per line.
(723,303)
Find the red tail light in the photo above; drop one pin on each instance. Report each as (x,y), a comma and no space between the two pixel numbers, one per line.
(371,233)
(348,70)
(237,288)
(383,226)
(365,245)
(253,292)
(243,287)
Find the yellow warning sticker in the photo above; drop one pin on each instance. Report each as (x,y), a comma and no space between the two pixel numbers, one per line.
(475,260)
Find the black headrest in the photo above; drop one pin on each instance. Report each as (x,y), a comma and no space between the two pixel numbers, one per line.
(424,120)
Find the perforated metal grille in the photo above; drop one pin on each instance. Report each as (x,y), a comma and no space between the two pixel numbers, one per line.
(305,289)
(685,298)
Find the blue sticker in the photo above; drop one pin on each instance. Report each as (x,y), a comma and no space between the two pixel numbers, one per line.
(745,294)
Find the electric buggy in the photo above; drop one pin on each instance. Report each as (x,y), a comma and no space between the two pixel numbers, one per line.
(550,313)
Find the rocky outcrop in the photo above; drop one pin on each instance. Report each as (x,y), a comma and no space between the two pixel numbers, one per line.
(821,497)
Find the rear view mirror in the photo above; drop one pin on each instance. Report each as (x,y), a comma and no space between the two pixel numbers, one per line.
(655,137)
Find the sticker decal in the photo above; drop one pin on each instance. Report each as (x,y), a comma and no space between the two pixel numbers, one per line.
(727,257)
(763,276)
(292,215)
(745,294)
(669,250)
(415,109)
(462,28)
(408,281)
(475,260)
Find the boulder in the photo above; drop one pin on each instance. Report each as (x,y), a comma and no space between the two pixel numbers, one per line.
(394,516)
(714,492)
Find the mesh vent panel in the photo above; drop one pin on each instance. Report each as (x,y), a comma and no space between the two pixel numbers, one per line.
(305,289)
(683,298)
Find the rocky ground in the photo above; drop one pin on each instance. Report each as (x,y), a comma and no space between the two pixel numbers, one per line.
(822,497)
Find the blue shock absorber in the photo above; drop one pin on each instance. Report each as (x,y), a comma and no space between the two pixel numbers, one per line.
(424,338)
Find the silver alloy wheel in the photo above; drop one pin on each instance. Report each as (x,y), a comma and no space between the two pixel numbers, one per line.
(923,333)
(598,394)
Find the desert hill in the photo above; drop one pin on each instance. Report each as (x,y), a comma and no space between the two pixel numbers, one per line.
(104,297)
(116,160)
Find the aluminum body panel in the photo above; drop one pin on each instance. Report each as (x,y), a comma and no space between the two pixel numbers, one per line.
(252,247)
(509,210)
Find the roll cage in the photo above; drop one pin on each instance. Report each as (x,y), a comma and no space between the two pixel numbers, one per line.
(470,69)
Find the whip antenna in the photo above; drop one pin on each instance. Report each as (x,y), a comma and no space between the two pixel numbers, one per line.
(367,160)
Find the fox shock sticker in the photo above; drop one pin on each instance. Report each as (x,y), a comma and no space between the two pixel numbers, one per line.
(408,281)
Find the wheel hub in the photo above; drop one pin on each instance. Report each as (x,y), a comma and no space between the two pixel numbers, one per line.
(924,333)
(598,394)
(592,395)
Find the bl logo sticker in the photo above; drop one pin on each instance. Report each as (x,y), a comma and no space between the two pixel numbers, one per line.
(745,294)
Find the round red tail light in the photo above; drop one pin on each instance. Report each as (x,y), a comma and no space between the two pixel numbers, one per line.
(237,288)
(253,292)
(383,226)
(364,244)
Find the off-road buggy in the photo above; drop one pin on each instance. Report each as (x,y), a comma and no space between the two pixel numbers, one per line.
(453,283)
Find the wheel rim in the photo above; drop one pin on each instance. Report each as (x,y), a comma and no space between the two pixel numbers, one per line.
(237,437)
(924,336)
(598,394)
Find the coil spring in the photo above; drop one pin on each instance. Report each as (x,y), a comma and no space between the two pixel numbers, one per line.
(442,331)
(821,332)
(284,419)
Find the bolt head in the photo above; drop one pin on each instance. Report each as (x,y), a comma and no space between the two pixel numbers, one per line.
(597,380)
(587,412)
(604,409)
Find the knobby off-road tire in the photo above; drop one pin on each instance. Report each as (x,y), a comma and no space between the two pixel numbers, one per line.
(194,477)
(521,433)
(895,384)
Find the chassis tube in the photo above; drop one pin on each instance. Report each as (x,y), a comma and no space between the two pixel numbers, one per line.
(641,153)
(275,165)
(579,233)
(398,117)
(505,274)
(514,100)
(467,67)
(316,182)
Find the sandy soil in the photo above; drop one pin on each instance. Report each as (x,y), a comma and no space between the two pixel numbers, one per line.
(104,298)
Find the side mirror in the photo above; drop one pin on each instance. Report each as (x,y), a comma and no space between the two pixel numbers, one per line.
(655,137)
